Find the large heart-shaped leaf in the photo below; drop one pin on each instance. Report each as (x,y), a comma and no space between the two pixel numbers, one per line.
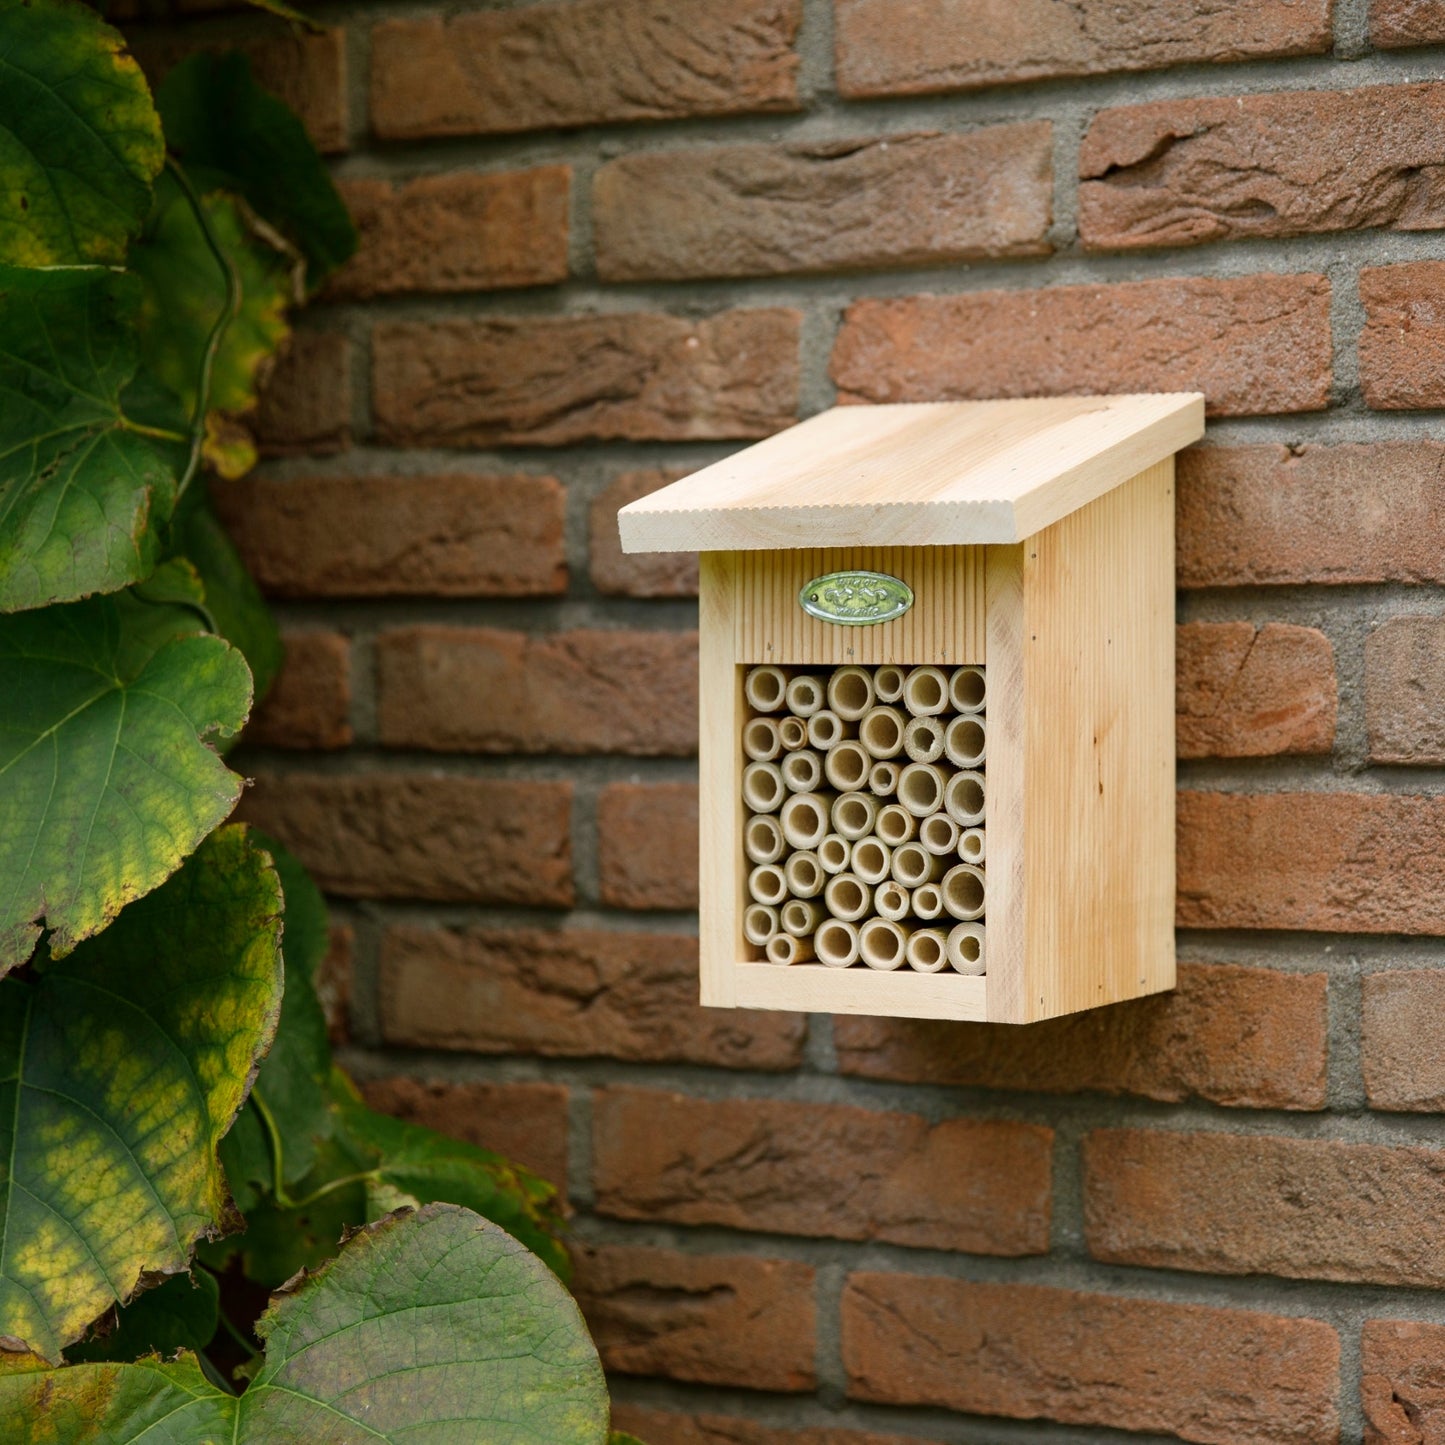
(106,782)
(80,141)
(430,1328)
(121,1067)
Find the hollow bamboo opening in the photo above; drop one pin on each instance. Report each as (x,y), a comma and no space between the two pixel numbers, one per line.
(939,834)
(972,845)
(833,853)
(847,897)
(888,683)
(825,729)
(760,739)
(881,731)
(802,771)
(966,741)
(925,691)
(850,692)
(800,916)
(854,814)
(765,688)
(920,789)
(760,923)
(966,942)
(783,948)
(923,739)
(883,779)
(883,943)
(763,788)
(805,819)
(914,864)
(964,891)
(892,901)
(847,765)
(965,798)
(792,733)
(871,860)
(967,689)
(763,839)
(928,950)
(927,901)
(836,943)
(805,695)
(804,874)
(895,824)
(766,884)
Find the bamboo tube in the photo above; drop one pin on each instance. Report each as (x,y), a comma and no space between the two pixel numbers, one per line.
(939,834)
(883,779)
(895,824)
(871,860)
(804,874)
(923,739)
(850,692)
(766,884)
(928,901)
(847,897)
(784,949)
(802,771)
(833,854)
(836,943)
(920,788)
(805,819)
(966,948)
(892,901)
(972,845)
(854,815)
(965,798)
(763,839)
(883,943)
(881,731)
(792,733)
(846,765)
(968,689)
(765,688)
(760,923)
(965,740)
(760,739)
(763,789)
(805,695)
(801,917)
(914,864)
(927,950)
(826,728)
(925,691)
(888,683)
(964,891)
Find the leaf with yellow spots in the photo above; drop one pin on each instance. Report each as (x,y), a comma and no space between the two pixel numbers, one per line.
(121,1068)
(429,1327)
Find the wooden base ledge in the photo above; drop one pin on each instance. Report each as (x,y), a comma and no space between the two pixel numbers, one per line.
(814,988)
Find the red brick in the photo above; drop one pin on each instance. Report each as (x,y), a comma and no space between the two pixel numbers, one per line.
(918,47)
(1262,1204)
(1327,862)
(1405,690)
(1227,1376)
(763,210)
(1402,344)
(1406,22)
(457,233)
(647,845)
(828,1170)
(1180,172)
(636,574)
(578,993)
(481,690)
(1255,344)
(305,406)
(548,380)
(663,1427)
(334,981)
(714,1319)
(423,835)
(1247,693)
(1400,1053)
(309,704)
(538,66)
(523,1122)
(1248,1038)
(1311,514)
(1402,1384)
(447,536)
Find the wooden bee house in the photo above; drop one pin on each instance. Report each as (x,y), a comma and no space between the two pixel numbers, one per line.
(937,698)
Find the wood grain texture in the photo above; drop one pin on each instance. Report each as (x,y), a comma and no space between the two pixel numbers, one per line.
(814,988)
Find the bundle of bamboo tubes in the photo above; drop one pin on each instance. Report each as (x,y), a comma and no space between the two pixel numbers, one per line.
(866,795)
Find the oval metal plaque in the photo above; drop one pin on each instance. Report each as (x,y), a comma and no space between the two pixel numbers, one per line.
(856,599)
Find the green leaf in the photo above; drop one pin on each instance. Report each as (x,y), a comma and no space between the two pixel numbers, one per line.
(180,1313)
(81,494)
(429,1328)
(80,141)
(232,135)
(121,1067)
(287,12)
(106,782)
(621,1437)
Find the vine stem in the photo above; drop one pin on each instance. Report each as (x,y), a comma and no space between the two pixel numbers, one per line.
(278,1183)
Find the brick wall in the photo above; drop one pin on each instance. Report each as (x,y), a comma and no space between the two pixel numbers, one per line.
(604,241)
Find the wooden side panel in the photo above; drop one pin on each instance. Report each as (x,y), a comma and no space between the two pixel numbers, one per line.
(903,994)
(1098,805)
(945,625)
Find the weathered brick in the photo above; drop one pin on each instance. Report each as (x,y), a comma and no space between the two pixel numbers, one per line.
(457,233)
(334,981)
(538,66)
(822,1169)
(525,1122)
(1405,690)
(1406,22)
(1255,344)
(1400,1054)
(918,47)
(577,993)
(714,1319)
(447,536)
(1226,1376)
(762,210)
(553,379)
(1402,1382)
(482,690)
(1311,514)
(1402,343)
(423,835)
(647,845)
(305,405)
(1262,1204)
(309,704)
(1327,862)
(1180,172)
(636,574)
(664,1426)
(1250,693)
(1249,1038)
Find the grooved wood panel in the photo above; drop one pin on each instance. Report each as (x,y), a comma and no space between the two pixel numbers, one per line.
(945,625)
(904,994)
